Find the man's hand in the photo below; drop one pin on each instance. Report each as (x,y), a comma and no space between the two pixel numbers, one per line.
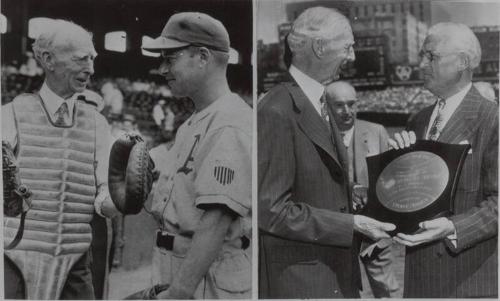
(372,228)
(432,230)
(402,140)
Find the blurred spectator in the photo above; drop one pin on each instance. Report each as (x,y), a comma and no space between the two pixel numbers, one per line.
(486,90)
(30,67)
(113,99)
(159,113)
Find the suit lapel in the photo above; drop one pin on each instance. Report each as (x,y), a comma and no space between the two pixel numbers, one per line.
(361,148)
(423,123)
(461,124)
(311,123)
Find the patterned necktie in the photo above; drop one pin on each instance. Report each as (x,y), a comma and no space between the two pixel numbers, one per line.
(436,127)
(324,111)
(62,114)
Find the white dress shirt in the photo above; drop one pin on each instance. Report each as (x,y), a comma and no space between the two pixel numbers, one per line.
(311,88)
(450,106)
(347,136)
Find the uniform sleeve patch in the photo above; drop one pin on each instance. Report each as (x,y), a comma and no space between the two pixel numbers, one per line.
(223,175)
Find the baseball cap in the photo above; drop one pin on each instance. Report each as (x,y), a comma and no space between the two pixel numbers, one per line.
(191,28)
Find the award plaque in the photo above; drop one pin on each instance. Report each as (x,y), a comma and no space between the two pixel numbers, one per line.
(414,184)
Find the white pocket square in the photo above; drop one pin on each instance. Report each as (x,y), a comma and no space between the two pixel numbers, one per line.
(466,142)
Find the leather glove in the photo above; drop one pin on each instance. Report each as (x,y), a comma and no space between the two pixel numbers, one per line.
(130,174)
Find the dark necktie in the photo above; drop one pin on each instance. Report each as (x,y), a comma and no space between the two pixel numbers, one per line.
(437,125)
(62,115)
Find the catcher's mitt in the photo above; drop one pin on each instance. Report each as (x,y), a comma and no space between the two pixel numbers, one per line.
(130,174)
(16,197)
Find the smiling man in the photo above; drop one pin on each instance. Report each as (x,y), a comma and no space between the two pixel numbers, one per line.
(456,256)
(306,228)
(62,146)
(204,207)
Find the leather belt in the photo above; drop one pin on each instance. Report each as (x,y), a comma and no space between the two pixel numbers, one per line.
(166,241)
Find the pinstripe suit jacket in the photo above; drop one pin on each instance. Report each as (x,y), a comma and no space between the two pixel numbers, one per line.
(470,270)
(305,229)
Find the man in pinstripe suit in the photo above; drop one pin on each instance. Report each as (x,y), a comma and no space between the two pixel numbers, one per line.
(456,257)
(306,230)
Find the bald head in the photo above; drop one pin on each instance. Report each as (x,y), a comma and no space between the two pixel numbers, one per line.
(341,97)
(340,91)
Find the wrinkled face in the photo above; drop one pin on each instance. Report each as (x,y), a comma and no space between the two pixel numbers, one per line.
(343,102)
(73,66)
(340,52)
(439,65)
(181,70)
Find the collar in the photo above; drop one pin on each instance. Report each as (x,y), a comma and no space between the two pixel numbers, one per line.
(214,106)
(311,88)
(52,101)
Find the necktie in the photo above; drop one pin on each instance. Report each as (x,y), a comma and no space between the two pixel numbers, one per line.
(344,139)
(324,111)
(62,115)
(436,127)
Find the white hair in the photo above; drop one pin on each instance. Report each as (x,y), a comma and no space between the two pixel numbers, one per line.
(58,34)
(316,22)
(459,37)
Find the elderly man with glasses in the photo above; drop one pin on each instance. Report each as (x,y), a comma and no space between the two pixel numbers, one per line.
(456,256)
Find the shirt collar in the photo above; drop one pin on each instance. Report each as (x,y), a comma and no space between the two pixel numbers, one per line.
(312,89)
(52,101)
(197,116)
(347,136)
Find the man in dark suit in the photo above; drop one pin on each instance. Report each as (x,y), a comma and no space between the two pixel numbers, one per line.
(363,139)
(456,257)
(306,230)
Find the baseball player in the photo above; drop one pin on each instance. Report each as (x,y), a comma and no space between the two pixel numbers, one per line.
(204,196)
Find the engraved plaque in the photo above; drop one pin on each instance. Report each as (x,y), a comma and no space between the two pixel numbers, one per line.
(414,184)
(412,181)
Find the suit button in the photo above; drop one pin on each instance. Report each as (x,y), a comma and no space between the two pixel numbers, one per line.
(439,254)
(343,209)
(336,291)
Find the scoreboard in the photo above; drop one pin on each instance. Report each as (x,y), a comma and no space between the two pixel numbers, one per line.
(369,68)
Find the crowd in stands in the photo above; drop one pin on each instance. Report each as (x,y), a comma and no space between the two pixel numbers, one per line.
(144,98)
(399,99)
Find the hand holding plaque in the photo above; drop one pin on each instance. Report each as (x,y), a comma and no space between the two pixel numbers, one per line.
(414,183)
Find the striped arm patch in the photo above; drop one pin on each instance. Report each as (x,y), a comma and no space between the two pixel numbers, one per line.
(223,175)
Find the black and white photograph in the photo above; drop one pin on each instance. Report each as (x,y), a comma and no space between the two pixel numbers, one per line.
(249,149)
(127,149)
(377,137)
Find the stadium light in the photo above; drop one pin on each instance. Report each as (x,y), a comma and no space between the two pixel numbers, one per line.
(146,39)
(38,25)
(234,56)
(115,41)
(3,24)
